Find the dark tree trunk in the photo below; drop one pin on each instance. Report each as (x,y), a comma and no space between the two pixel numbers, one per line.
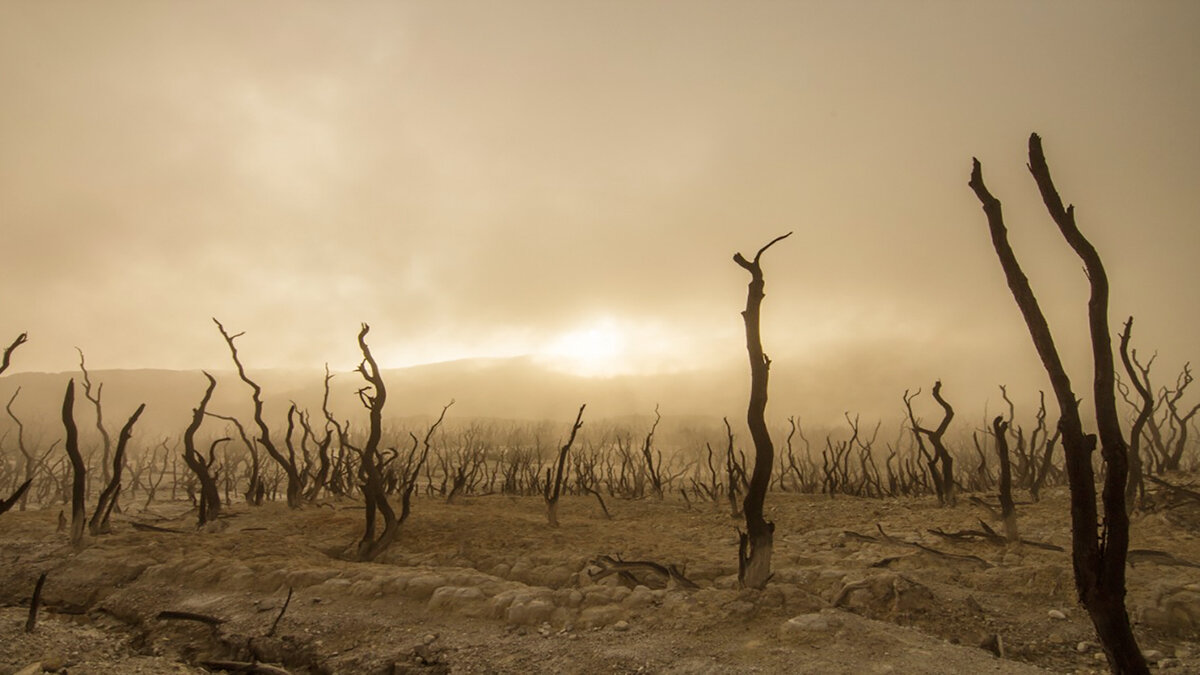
(108,498)
(553,487)
(1008,511)
(1099,561)
(210,498)
(754,550)
(78,468)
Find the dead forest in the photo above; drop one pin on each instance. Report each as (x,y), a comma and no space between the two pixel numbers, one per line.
(100,478)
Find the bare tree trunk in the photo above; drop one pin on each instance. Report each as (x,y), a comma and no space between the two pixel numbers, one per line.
(1008,511)
(552,489)
(79,484)
(95,400)
(1135,487)
(108,498)
(755,545)
(1099,561)
(210,498)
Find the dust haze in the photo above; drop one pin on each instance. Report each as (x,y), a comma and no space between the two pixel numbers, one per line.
(565,184)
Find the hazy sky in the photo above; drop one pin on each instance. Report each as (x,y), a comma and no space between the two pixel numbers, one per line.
(571,179)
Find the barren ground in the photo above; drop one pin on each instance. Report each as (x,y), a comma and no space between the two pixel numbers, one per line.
(484,586)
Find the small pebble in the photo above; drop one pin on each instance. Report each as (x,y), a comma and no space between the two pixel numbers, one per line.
(1084,647)
(621,626)
(1152,655)
(1056,614)
(428,639)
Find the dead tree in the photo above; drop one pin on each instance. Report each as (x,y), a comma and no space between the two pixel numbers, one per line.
(553,488)
(31,461)
(1098,548)
(79,470)
(12,347)
(655,473)
(210,498)
(931,461)
(94,398)
(373,397)
(108,498)
(294,485)
(1135,487)
(1008,511)
(1178,422)
(755,545)
(255,489)
(948,493)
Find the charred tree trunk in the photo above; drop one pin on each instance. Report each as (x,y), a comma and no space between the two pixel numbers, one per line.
(210,498)
(755,545)
(374,396)
(553,489)
(1008,511)
(1098,559)
(78,468)
(108,498)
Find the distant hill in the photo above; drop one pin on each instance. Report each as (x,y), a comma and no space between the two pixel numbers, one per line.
(520,388)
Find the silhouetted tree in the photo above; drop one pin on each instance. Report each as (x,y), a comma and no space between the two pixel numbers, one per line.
(554,487)
(1098,548)
(294,485)
(12,347)
(210,498)
(755,545)
(108,497)
(78,468)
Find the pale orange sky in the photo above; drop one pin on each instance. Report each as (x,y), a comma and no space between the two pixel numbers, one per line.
(571,179)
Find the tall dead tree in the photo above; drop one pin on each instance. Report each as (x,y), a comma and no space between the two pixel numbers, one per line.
(108,498)
(294,484)
(210,498)
(1098,548)
(78,468)
(554,487)
(374,396)
(8,351)
(755,545)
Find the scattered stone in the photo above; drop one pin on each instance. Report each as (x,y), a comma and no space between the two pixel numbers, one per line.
(1152,655)
(621,626)
(429,639)
(1084,647)
(1167,664)
(1057,614)
(809,624)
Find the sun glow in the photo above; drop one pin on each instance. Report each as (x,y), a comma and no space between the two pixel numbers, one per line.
(596,349)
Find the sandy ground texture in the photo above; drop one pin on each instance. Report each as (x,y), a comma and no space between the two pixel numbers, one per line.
(483,585)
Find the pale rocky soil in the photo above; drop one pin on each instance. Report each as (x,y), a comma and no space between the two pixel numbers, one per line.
(484,586)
